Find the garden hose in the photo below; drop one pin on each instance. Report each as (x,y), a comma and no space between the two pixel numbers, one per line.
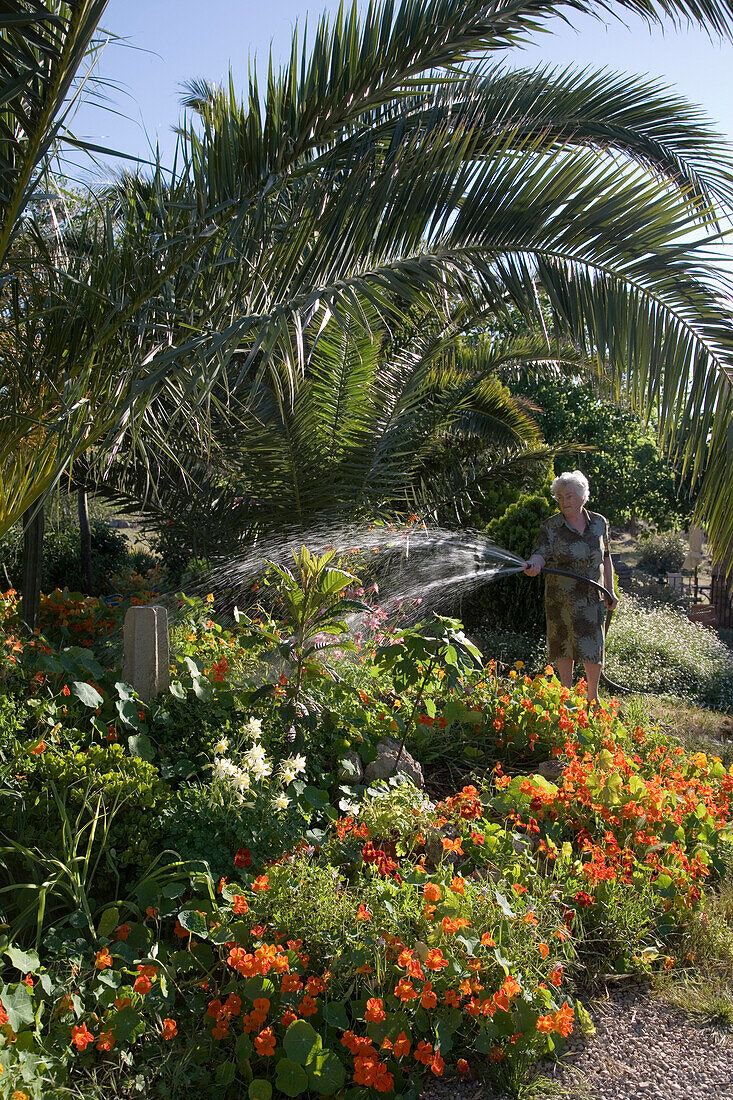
(609,615)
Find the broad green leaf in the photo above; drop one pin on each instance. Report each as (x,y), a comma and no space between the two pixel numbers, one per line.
(86,694)
(18,1005)
(194,921)
(300,1041)
(140,745)
(335,1014)
(25,961)
(290,1078)
(259,1089)
(326,1072)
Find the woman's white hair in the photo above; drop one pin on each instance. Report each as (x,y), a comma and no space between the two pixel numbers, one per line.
(572,479)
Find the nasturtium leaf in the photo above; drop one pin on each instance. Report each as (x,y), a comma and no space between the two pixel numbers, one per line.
(326,1072)
(140,745)
(177,689)
(108,921)
(194,921)
(17,1003)
(444,1036)
(300,1041)
(127,1025)
(243,1047)
(127,710)
(86,694)
(290,1078)
(259,1089)
(225,1073)
(25,961)
(335,1014)
(124,691)
(315,797)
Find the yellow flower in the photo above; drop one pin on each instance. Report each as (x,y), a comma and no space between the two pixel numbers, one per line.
(519,664)
(210,597)
(512,675)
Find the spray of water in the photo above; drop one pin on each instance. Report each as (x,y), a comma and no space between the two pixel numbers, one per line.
(416,569)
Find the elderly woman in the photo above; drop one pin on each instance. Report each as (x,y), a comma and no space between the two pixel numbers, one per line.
(576,540)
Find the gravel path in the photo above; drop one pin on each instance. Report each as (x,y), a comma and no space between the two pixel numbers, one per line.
(643,1050)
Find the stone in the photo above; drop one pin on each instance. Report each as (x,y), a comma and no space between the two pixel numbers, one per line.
(147,657)
(384,766)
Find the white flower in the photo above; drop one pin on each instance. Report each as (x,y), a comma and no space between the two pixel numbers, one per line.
(290,767)
(255,756)
(261,769)
(221,746)
(253,728)
(281,802)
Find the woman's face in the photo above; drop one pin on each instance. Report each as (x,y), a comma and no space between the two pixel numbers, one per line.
(570,500)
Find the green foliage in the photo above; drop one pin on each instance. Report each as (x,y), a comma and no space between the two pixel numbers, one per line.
(128,791)
(627,471)
(515,603)
(61,566)
(664,552)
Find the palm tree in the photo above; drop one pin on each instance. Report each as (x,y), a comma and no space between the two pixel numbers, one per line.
(361,436)
(383,165)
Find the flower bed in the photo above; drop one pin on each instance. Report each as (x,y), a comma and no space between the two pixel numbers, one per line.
(322,934)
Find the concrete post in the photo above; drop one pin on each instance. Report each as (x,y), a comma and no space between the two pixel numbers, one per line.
(147,660)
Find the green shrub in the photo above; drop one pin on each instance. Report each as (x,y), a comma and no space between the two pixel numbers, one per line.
(659,650)
(128,789)
(662,553)
(516,602)
(61,566)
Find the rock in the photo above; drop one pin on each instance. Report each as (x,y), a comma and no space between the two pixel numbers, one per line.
(384,766)
(550,769)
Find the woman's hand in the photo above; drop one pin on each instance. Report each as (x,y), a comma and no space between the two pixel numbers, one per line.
(534,566)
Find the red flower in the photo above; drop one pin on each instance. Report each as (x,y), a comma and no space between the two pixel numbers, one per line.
(243,858)
(583,900)
(170,1028)
(65,691)
(363,913)
(265,1043)
(260,885)
(239,904)
(374,1010)
(81,1037)
(103,959)
(462,1066)
(105,1041)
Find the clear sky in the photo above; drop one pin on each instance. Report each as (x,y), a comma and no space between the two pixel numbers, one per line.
(172,41)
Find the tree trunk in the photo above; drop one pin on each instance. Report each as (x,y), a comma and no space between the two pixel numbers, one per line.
(33,522)
(86,541)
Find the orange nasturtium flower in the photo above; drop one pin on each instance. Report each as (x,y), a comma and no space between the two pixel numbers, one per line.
(81,1037)
(374,1010)
(435,960)
(265,1043)
(431,892)
(170,1028)
(363,913)
(103,959)
(260,885)
(105,1041)
(453,845)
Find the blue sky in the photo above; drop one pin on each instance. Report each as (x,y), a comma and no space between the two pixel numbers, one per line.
(171,41)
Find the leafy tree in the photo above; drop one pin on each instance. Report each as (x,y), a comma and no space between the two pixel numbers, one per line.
(628,474)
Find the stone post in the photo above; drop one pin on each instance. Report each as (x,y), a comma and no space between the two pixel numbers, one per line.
(147,660)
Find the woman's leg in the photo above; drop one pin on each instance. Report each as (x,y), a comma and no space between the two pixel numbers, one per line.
(592,675)
(565,669)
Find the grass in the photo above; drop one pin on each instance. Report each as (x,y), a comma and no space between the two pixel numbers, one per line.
(698,729)
(705,944)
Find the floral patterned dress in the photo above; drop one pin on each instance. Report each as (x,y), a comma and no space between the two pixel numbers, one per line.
(574,610)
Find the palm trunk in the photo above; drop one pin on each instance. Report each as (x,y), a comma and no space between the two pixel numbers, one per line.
(86,541)
(33,522)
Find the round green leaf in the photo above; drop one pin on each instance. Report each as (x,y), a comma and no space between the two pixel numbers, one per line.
(259,1089)
(300,1041)
(326,1072)
(291,1079)
(86,694)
